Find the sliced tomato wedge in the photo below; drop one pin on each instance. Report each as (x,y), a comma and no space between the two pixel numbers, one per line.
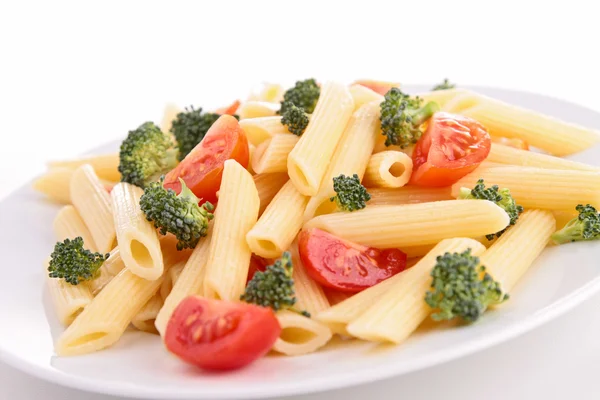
(346,266)
(230,109)
(202,168)
(511,142)
(380,87)
(220,335)
(257,263)
(451,147)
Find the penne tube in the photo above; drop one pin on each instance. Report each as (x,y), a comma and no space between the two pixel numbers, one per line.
(170,279)
(271,155)
(279,224)
(309,294)
(549,189)
(109,269)
(144,319)
(308,161)
(300,335)
(563,217)
(407,195)
(396,313)
(268,185)
(137,238)
(68,300)
(55,184)
(509,155)
(513,253)
(229,255)
(189,282)
(270,92)
(442,97)
(93,203)
(351,157)
(363,95)
(169,114)
(391,169)
(69,225)
(414,224)
(251,155)
(257,109)
(260,129)
(106,166)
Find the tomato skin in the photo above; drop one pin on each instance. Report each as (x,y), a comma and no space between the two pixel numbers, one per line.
(220,335)
(257,263)
(380,87)
(451,147)
(345,266)
(202,168)
(230,109)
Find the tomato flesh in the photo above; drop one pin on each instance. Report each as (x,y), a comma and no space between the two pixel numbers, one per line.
(257,263)
(380,87)
(202,168)
(346,266)
(230,109)
(451,147)
(220,335)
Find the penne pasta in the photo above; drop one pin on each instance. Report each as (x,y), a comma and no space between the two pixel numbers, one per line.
(229,256)
(68,300)
(279,224)
(408,195)
(170,279)
(308,161)
(414,224)
(309,294)
(300,335)
(169,114)
(509,155)
(257,109)
(69,225)
(93,203)
(267,186)
(391,169)
(442,97)
(270,92)
(55,184)
(251,155)
(106,166)
(259,130)
(549,189)
(363,95)
(271,155)
(138,240)
(351,157)
(396,313)
(144,319)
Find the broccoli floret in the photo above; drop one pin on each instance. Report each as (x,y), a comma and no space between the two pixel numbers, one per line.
(189,128)
(295,118)
(177,214)
(351,195)
(461,288)
(444,85)
(73,263)
(402,116)
(586,226)
(501,197)
(304,95)
(275,287)
(146,154)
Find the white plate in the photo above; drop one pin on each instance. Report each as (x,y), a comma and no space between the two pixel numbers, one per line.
(139,366)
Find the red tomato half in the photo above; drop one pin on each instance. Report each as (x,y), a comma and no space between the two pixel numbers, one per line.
(345,266)
(202,169)
(380,87)
(230,109)
(220,335)
(451,147)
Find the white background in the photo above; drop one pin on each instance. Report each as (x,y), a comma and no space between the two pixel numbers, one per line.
(75,75)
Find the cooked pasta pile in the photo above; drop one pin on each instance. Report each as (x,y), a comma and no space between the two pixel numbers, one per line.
(332,209)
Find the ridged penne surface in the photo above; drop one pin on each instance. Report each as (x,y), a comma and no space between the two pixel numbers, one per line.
(69,225)
(309,294)
(267,186)
(391,169)
(169,114)
(509,155)
(407,195)
(363,95)
(68,300)
(300,335)
(55,184)
(106,166)
(271,155)
(144,319)
(257,109)
(170,279)
(260,129)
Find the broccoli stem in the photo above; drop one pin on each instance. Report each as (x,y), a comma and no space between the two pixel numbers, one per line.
(425,112)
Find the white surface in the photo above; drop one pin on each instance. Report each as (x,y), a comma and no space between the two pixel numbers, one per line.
(73,76)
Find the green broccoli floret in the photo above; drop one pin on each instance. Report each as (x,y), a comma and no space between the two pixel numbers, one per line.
(275,287)
(444,85)
(402,116)
(295,118)
(586,226)
(177,214)
(304,95)
(73,263)
(461,288)
(351,195)
(146,154)
(189,128)
(501,197)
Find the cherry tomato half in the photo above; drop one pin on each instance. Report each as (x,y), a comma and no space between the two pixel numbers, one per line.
(345,266)
(380,87)
(257,263)
(230,109)
(451,147)
(220,335)
(202,168)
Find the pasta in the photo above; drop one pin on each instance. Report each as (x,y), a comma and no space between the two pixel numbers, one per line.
(271,155)
(170,280)
(391,169)
(105,166)
(267,186)
(93,203)
(144,319)
(170,113)
(279,224)
(414,224)
(300,335)
(260,129)
(69,225)
(407,195)
(270,92)
(68,300)
(55,184)
(306,166)
(229,256)
(309,294)
(363,95)
(137,238)
(509,155)
(257,109)
(531,187)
